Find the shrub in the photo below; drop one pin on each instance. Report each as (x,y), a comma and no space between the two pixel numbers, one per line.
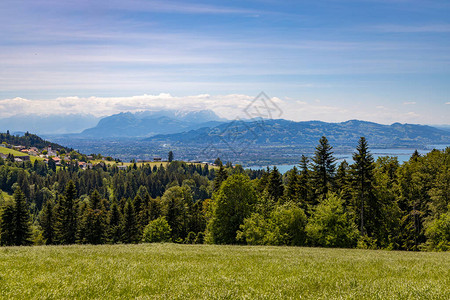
(330,226)
(190,239)
(157,231)
(438,233)
(285,226)
(200,239)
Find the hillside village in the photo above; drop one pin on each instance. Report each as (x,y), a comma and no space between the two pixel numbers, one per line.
(59,157)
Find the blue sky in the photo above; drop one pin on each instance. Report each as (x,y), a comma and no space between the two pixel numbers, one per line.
(377,60)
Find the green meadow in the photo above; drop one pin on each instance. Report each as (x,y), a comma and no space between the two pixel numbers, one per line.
(4,150)
(172,271)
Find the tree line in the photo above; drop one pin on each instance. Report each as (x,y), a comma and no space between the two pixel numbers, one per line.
(372,204)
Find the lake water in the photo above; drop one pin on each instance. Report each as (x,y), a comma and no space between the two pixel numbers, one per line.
(401,154)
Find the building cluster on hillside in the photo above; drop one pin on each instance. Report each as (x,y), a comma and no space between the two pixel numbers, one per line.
(61,158)
(46,154)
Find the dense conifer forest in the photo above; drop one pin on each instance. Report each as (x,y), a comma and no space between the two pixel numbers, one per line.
(378,204)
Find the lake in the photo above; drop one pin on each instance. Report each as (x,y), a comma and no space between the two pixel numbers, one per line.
(401,154)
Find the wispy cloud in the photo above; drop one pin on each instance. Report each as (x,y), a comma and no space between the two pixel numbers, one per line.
(114,48)
(181,7)
(229,106)
(301,110)
(226,105)
(167,6)
(427,28)
(409,103)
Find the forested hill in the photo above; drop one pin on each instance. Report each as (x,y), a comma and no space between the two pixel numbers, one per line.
(29,140)
(284,132)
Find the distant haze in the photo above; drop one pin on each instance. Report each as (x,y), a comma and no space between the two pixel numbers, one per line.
(48,124)
(383,61)
(230,106)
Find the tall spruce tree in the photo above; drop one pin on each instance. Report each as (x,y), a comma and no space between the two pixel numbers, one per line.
(323,167)
(221,176)
(304,184)
(66,216)
(15,227)
(128,226)
(92,221)
(7,237)
(22,225)
(143,216)
(47,220)
(95,200)
(114,222)
(275,188)
(91,227)
(139,207)
(343,182)
(362,170)
(175,207)
(263,180)
(292,186)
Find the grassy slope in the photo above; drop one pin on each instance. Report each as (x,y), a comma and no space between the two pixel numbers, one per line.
(173,271)
(18,153)
(4,196)
(151,163)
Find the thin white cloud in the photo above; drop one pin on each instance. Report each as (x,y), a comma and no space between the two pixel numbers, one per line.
(428,28)
(409,103)
(412,114)
(180,7)
(166,6)
(301,110)
(229,106)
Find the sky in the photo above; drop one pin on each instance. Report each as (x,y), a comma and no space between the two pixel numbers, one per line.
(377,60)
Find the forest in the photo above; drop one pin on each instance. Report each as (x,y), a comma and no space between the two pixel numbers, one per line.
(368,204)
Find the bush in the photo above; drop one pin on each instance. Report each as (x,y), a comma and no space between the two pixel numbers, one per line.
(366,242)
(285,226)
(255,230)
(200,239)
(157,231)
(438,233)
(232,203)
(190,239)
(330,226)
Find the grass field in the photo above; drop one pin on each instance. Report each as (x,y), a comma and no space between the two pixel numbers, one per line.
(171,271)
(151,163)
(4,150)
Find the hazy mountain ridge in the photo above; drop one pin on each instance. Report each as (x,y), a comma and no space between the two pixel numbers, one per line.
(48,124)
(148,123)
(187,128)
(307,133)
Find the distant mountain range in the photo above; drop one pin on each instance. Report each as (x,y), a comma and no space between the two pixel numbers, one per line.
(284,132)
(51,124)
(149,123)
(194,129)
